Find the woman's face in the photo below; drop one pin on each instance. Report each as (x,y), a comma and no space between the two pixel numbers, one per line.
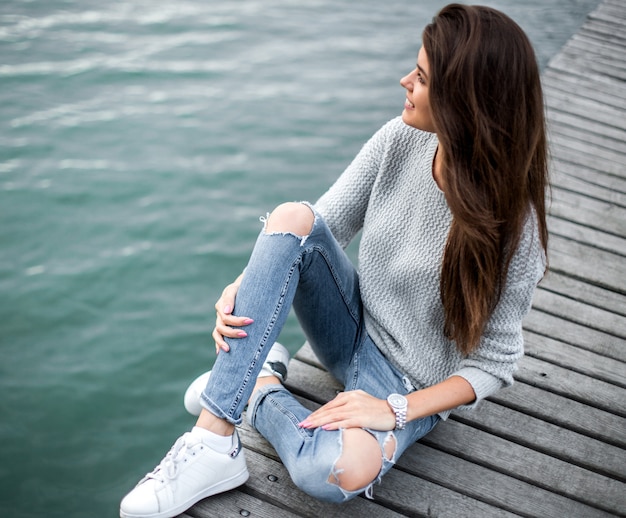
(416,106)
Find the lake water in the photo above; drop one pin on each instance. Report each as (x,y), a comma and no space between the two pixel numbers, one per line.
(140,141)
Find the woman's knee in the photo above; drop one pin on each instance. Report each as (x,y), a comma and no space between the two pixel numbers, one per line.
(360,462)
(339,479)
(296,218)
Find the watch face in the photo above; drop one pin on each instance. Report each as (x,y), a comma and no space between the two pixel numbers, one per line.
(397,400)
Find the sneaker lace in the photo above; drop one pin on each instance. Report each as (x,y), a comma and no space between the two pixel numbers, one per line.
(168,467)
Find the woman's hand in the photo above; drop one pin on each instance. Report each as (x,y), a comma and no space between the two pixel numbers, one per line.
(225,321)
(353,409)
(357,409)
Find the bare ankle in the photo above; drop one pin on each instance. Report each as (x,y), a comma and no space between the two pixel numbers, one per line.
(265,380)
(214,424)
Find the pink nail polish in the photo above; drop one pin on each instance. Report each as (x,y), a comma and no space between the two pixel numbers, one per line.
(227,309)
(248,321)
(242,334)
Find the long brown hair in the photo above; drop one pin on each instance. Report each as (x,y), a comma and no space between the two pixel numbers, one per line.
(487,107)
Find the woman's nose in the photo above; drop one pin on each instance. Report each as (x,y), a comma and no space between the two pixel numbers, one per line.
(407,80)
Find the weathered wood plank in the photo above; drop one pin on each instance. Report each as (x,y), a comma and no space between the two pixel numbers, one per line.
(581,313)
(575,359)
(569,148)
(584,292)
(236,503)
(569,60)
(548,438)
(559,225)
(599,58)
(592,116)
(576,334)
(571,158)
(559,81)
(600,215)
(564,412)
(587,181)
(490,486)
(565,63)
(614,9)
(527,465)
(587,155)
(593,48)
(569,174)
(588,45)
(598,65)
(567,122)
(311,381)
(577,179)
(604,32)
(570,384)
(581,261)
(607,11)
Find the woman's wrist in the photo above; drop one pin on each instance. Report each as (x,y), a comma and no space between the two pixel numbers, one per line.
(447,395)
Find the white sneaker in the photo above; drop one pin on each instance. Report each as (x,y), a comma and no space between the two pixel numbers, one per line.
(190,471)
(275,365)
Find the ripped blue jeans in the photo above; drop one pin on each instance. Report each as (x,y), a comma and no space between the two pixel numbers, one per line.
(313,274)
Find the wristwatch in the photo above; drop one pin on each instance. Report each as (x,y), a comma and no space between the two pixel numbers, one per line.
(398,404)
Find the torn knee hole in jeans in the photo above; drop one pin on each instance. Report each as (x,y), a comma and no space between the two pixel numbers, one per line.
(333,479)
(389,447)
(264,220)
(353,471)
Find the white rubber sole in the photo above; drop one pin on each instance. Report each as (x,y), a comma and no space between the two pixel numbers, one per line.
(225,485)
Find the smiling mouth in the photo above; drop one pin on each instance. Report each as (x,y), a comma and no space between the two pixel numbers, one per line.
(408,104)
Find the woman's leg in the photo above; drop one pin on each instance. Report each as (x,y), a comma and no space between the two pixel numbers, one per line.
(202,463)
(332,466)
(295,252)
(316,459)
(337,465)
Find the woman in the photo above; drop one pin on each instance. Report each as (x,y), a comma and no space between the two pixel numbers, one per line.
(450,201)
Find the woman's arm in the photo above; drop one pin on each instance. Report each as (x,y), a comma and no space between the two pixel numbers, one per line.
(357,409)
(450,393)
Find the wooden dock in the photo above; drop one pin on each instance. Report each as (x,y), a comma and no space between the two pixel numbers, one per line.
(553,445)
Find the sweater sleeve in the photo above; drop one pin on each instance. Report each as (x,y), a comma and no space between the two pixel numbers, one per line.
(344,205)
(493,364)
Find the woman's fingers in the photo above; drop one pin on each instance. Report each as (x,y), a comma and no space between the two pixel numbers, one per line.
(329,412)
(228,325)
(226,303)
(353,409)
(220,344)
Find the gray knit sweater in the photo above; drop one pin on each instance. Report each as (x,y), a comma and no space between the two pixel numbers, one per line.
(389,193)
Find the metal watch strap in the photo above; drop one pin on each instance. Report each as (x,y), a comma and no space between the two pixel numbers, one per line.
(400,418)
(398,404)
